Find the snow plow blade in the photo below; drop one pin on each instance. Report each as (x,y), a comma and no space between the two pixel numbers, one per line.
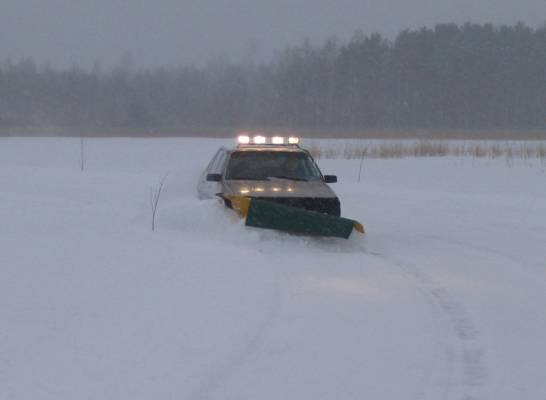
(270,215)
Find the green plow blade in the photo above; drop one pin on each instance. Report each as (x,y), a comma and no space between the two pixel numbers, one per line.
(270,215)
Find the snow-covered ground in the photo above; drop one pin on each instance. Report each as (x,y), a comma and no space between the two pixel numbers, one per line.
(443,299)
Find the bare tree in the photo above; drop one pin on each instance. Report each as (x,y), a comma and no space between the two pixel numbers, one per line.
(155,194)
(82,154)
(360,167)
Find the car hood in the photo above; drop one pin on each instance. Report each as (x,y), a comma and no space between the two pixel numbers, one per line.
(278,188)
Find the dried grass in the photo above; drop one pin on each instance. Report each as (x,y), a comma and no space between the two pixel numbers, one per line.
(428,148)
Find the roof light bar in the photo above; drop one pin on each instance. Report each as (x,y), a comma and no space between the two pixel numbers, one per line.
(259,140)
(293,140)
(243,139)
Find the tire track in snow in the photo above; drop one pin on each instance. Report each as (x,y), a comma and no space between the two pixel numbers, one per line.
(6,389)
(472,354)
(219,376)
(526,266)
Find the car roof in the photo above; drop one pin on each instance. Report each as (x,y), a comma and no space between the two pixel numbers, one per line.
(270,147)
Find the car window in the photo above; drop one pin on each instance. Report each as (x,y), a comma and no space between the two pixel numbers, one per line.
(216,163)
(219,162)
(212,161)
(269,165)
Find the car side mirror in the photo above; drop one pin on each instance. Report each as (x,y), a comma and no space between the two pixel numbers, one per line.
(214,177)
(330,178)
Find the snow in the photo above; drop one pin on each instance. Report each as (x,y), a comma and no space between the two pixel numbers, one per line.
(442,299)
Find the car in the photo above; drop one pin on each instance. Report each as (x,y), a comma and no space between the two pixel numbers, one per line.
(275,169)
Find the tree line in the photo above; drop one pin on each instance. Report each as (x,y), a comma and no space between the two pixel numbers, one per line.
(470,76)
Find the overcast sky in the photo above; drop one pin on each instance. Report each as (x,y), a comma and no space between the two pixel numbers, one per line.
(172,32)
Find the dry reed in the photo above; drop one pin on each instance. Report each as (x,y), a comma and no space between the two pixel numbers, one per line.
(427,148)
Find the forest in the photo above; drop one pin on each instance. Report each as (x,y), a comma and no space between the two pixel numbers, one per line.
(471,76)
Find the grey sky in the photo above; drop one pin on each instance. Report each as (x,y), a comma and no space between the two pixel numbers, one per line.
(167,32)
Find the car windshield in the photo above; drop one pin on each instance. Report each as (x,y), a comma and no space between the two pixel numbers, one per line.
(269,165)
